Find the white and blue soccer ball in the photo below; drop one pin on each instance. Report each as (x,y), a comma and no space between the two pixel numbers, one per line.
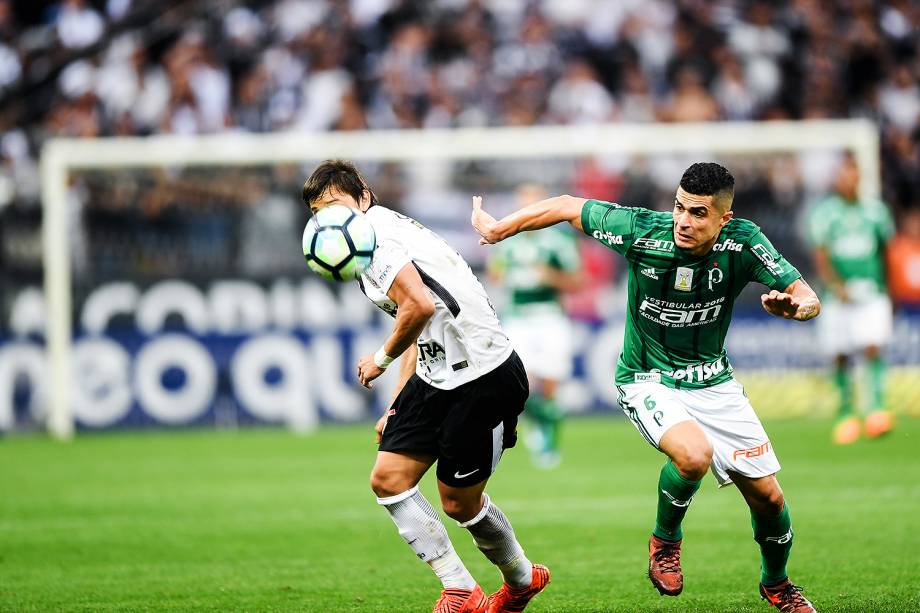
(339,243)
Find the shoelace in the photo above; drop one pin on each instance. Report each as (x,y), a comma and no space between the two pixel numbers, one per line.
(792,594)
(788,598)
(668,559)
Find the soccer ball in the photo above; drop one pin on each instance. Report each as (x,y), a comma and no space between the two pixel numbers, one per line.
(339,243)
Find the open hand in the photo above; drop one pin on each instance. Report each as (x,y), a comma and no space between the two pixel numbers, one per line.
(780,304)
(483,223)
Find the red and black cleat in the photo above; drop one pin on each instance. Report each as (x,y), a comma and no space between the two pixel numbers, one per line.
(664,566)
(787,598)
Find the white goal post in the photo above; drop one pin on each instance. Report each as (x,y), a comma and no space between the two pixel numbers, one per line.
(61,156)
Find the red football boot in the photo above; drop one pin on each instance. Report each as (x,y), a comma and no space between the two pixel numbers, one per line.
(787,598)
(664,566)
(509,599)
(458,600)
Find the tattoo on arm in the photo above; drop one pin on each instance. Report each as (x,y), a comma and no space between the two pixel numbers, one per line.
(809,309)
(810,306)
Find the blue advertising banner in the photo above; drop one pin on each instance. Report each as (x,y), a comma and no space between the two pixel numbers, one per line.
(238,354)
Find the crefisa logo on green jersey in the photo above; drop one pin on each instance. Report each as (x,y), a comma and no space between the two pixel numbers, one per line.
(727,245)
(694,373)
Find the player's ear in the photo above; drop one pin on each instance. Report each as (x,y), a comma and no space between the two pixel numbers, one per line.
(726,217)
(365,201)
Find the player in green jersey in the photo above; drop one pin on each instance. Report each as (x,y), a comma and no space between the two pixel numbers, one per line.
(534,269)
(686,268)
(849,237)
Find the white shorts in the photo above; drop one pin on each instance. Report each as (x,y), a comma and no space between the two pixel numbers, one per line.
(850,327)
(739,442)
(544,342)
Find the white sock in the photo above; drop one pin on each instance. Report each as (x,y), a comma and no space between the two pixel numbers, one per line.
(495,538)
(419,525)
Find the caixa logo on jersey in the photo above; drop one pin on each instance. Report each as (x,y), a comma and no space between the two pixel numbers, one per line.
(608,237)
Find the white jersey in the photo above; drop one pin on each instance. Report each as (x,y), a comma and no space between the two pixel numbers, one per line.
(463,340)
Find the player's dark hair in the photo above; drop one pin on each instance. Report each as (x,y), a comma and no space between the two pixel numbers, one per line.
(341,175)
(708,179)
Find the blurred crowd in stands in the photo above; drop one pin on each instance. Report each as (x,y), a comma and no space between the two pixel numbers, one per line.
(135,67)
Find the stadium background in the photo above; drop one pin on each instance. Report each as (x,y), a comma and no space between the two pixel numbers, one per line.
(195,318)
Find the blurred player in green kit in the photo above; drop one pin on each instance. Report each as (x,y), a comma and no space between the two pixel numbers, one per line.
(534,269)
(849,236)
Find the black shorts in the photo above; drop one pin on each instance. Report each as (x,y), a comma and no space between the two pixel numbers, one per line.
(466,428)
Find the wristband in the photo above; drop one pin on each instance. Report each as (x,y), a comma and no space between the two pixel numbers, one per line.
(381,359)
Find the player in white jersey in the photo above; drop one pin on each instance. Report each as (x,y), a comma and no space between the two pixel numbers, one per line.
(460,391)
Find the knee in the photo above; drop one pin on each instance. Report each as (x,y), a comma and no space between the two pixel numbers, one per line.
(386,483)
(773,503)
(460,509)
(693,462)
(769,503)
(455,509)
(689,449)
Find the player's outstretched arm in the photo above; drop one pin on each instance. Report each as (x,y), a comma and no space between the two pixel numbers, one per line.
(531,217)
(798,301)
(414,308)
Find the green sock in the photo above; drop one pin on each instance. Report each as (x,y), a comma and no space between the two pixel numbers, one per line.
(774,535)
(876,367)
(842,381)
(547,416)
(552,421)
(674,496)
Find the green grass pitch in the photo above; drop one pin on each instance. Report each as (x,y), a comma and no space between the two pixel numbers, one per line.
(261,520)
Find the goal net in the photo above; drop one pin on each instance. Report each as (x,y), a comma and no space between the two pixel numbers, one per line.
(175,293)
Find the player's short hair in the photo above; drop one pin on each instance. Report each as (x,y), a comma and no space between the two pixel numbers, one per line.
(709,179)
(341,175)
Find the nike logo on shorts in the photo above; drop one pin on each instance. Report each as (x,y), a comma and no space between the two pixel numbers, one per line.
(457,474)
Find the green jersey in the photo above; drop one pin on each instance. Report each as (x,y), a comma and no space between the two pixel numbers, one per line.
(520,261)
(854,235)
(679,305)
